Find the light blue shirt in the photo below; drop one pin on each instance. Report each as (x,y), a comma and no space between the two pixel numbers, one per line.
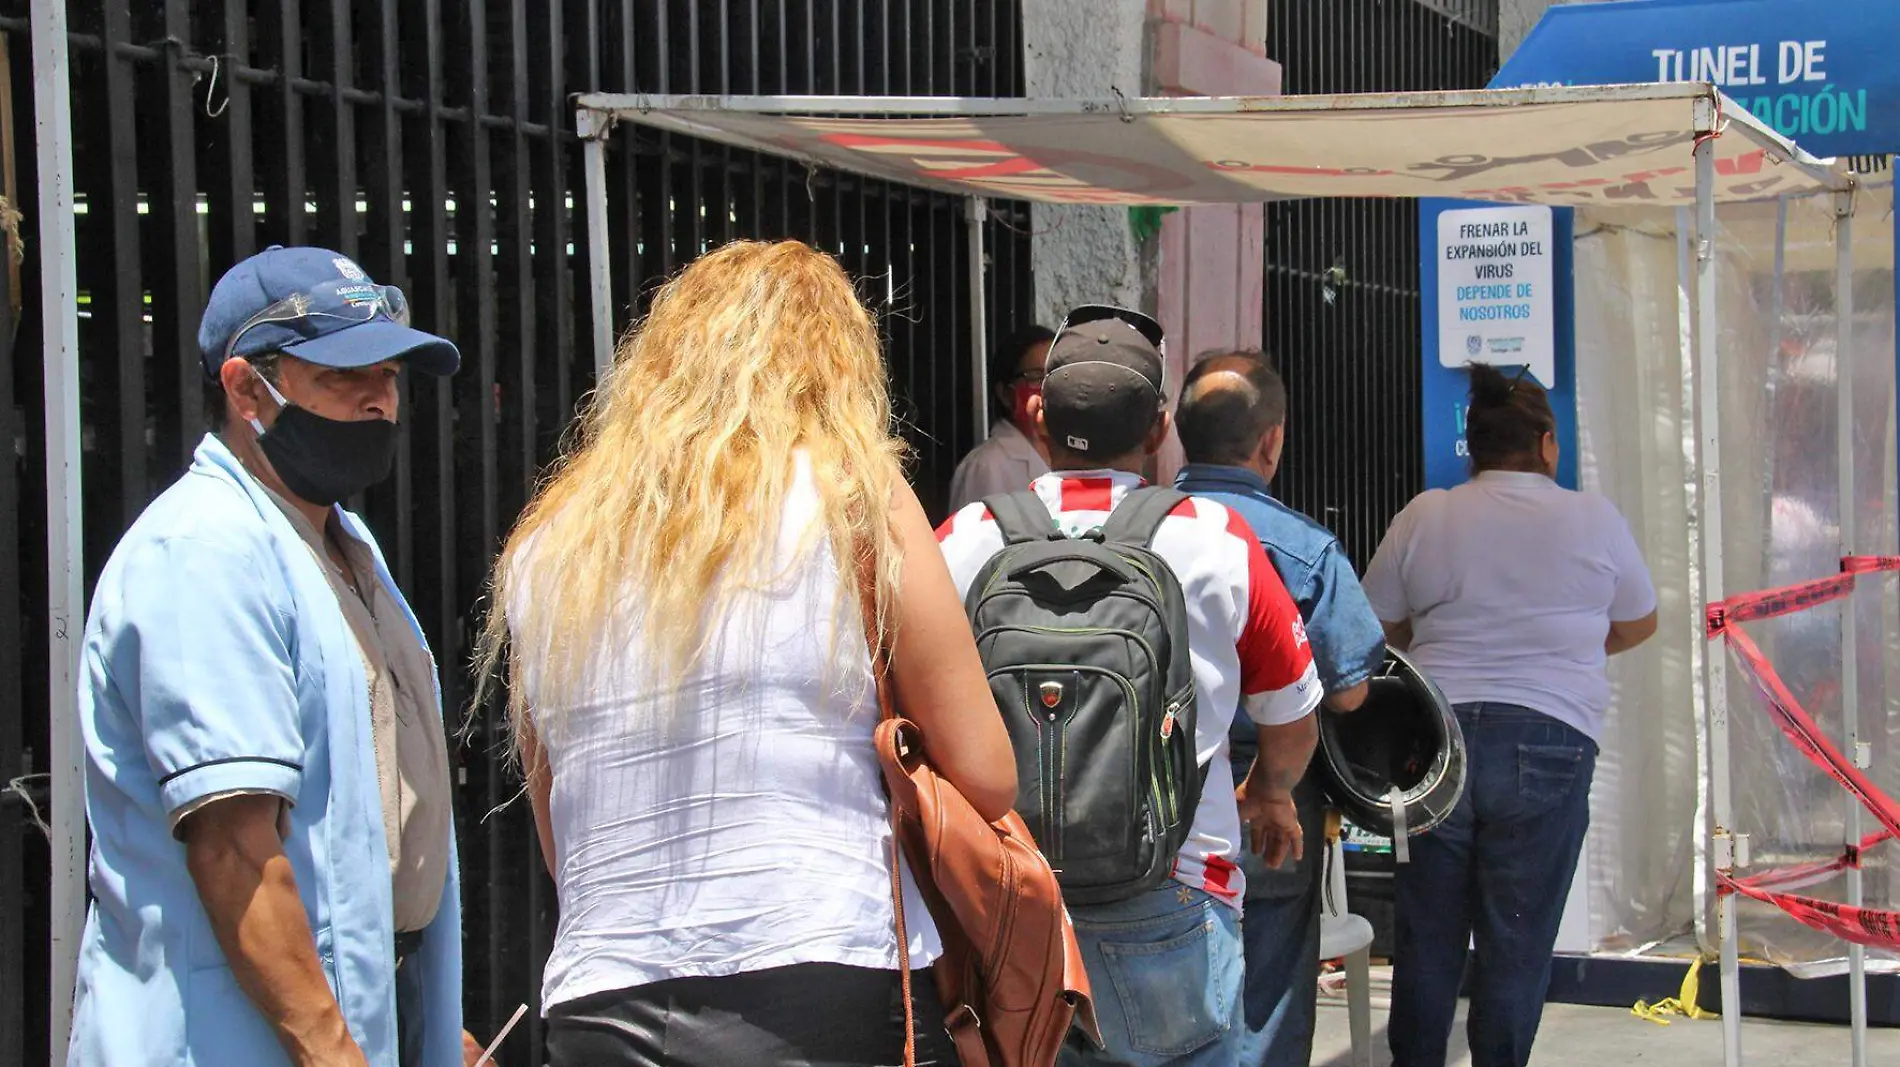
(216,658)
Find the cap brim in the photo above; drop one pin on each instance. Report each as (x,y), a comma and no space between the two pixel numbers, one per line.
(379,339)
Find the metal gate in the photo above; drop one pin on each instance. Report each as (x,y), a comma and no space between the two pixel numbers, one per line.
(1342,287)
(432,140)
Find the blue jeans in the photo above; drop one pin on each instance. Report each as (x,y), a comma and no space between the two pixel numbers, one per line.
(1280,934)
(1165,970)
(1496,872)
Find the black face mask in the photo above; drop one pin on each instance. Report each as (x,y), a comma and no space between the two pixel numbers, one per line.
(326,460)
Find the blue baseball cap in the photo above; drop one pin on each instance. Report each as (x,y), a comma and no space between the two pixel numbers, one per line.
(318,306)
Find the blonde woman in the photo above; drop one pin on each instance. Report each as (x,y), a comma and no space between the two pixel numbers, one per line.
(692,696)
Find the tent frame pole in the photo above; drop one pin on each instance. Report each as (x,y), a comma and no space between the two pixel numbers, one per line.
(977,212)
(1850,622)
(595,127)
(59,307)
(1708,376)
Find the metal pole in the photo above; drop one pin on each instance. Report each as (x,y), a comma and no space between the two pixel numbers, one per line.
(59,309)
(979,210)
(599,270)
(1850,628)
(1700,648)
(1708,377)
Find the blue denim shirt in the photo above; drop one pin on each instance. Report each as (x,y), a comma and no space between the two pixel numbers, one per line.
(1348,642)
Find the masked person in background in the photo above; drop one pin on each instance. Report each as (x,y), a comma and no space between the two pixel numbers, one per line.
(262,722)
(1013,456)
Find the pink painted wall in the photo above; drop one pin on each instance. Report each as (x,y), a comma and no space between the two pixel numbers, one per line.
(1208,289)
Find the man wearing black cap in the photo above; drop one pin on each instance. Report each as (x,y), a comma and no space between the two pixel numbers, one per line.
(1165,966)
(273,860)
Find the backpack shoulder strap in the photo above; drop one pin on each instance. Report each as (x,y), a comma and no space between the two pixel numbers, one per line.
(1140,513)
(1022,517)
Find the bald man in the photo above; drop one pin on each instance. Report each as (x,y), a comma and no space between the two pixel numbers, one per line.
(1232,423)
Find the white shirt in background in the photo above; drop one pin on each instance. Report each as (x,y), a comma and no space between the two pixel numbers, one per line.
(1511,583)
(1006,463)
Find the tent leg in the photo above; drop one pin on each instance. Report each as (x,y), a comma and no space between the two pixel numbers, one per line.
(978,212)
(1850,636)
(1709,381)
(59,305)
(599,269)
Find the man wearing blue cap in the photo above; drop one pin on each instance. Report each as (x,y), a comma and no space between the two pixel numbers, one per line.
(273,862)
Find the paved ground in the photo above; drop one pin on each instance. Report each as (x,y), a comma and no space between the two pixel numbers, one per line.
(1574,1036)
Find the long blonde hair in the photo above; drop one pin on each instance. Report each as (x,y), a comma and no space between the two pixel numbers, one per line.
(674,483)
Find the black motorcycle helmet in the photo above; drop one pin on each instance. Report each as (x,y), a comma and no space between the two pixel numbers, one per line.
(1403,737)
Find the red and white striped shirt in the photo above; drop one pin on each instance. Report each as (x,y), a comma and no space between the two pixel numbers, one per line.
(1248,643)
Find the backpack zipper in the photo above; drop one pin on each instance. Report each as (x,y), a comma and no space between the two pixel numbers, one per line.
(1153,659)
(1048,741)
(1169,721)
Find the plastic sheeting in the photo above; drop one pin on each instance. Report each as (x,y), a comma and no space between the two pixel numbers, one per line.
(1776,274)
(1633,429)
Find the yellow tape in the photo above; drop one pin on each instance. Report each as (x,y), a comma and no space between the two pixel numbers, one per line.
(1685,1003)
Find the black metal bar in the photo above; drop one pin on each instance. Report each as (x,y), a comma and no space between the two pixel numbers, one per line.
(332,132)
(517,308)
(514,237)
(549,60)
(177,282)
(664,200)
(556,267)
(695,193)
(477,404)
(285,188)
(118,303)
(231,180)
(724,205)
(385,255)
(624,199)
(432,430)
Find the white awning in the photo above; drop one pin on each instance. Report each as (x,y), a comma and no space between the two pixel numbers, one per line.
(1628,144)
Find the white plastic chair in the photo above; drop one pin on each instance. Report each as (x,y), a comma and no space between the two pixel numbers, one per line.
(1342,933)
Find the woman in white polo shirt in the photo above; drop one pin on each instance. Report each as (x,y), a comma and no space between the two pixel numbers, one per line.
(1511,592)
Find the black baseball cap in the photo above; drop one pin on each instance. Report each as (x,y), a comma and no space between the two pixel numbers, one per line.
(1103,385)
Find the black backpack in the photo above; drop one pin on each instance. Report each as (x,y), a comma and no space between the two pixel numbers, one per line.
(1085,641)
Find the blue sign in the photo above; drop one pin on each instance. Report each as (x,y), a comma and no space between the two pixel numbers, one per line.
(1821,73)
(1445,388)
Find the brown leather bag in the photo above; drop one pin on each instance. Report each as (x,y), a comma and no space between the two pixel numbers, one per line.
(1011,974)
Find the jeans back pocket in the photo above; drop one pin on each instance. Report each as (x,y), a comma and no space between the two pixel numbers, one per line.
(1546,774)
(1177,993)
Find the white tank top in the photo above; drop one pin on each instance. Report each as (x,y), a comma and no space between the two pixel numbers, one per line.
(750,830)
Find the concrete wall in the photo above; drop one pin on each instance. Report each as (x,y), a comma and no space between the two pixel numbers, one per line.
(1091,48)
(1201,275)
(1084,48)
(1515,19)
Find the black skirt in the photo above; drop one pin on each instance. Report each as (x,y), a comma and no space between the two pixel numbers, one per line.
(806,1015)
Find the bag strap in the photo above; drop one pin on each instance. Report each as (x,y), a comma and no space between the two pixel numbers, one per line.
(887,709)
(1140,514)
(1022,516)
